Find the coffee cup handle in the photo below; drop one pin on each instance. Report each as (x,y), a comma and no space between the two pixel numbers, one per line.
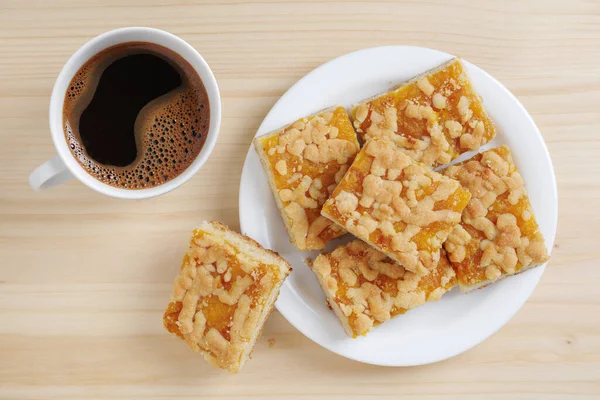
(52,173)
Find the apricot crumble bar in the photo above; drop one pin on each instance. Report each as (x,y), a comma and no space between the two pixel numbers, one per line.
(223,294)
(434,117)
(400,207)
(366,288)
(498,235)
(304,162)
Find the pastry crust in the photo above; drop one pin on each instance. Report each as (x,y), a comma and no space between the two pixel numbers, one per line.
(433,117)
(225,290)
(401,208)
(304,161)
(365,288)
(498,235)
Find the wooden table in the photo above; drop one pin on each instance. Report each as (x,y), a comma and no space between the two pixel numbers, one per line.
(84,278)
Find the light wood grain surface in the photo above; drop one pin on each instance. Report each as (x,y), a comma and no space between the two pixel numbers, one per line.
(84,278)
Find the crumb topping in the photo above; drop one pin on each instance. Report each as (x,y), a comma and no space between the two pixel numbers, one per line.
(434,119)
(309,158)
(218,297)
(498,234)
(399,206)
(370,288)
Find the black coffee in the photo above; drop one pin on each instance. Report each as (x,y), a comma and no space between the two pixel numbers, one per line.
(136,115)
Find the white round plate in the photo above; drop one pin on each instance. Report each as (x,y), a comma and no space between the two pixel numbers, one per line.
(434,331)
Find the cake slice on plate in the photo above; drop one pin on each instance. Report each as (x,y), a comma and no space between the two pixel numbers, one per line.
(365,288)
(304,162)
(400,207)
(434,117)
(498,235)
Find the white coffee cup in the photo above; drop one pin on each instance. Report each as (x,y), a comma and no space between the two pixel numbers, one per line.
(65,167)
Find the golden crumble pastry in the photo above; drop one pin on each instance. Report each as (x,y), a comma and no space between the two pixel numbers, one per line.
(366,288)
(498,234)
(396,205)
(304,162)
(434,117)
(223,294)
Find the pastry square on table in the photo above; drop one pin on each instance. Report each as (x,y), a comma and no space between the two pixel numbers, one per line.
(225,291)
(304,162)
(498,235)
(434,117)
(366,288)
(400,207)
